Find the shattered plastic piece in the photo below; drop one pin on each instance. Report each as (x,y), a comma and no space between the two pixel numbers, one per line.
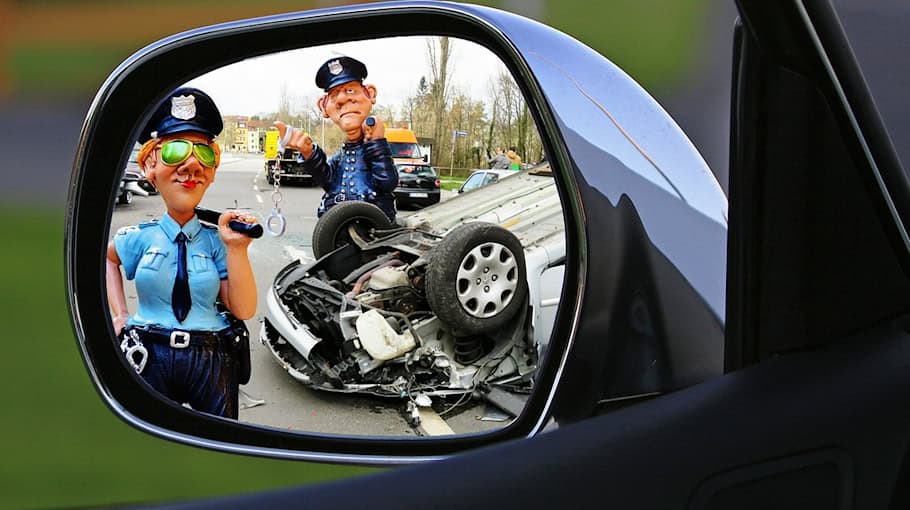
(247,401)
(423,400)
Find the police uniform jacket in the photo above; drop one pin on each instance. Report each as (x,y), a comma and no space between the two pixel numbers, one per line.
(148,253)
(359,171)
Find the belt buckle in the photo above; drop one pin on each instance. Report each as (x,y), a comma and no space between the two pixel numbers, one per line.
(339,197)
(184,336)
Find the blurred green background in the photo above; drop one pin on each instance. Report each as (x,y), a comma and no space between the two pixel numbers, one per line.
(61,446)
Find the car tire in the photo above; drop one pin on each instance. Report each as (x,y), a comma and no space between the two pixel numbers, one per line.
(268,174)
(125,198)
(476,280)
(331,230)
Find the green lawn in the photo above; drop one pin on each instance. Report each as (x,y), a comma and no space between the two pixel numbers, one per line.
(451,183)
(653,40)
(61,446)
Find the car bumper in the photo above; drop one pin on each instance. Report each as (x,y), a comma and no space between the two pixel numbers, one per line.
(284,327)
(416,196)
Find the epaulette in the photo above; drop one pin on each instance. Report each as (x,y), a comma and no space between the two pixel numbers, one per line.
(122,231)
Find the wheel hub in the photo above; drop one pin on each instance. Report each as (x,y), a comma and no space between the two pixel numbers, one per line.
(486,280)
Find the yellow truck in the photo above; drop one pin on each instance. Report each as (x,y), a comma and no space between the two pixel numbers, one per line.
(405,149)
(290,168)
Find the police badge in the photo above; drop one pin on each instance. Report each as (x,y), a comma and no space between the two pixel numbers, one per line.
(183,107)
(335,67)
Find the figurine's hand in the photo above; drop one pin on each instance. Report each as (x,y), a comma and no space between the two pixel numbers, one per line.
(230,237)
(299,139)
(119,323)
(372,128)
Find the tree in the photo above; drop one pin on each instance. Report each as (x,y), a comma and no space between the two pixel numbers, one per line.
(439,51)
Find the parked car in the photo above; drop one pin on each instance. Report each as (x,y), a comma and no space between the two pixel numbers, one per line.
(445,303)
(481,178)
(133,181)
(418,185)
(801,287)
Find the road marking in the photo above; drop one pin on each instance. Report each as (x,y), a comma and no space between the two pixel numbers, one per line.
(259,198)
(256,188)
(431,424)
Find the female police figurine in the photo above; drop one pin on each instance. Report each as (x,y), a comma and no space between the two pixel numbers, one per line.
(363,169)
(181,267)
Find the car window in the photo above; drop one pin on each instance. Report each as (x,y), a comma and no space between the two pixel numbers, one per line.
(421,171)
(490,178)
(405,150)
(473,182)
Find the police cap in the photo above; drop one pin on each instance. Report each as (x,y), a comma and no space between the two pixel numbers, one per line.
(185,109)
(339,70)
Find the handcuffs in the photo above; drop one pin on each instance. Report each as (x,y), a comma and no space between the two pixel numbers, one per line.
(276,222)
(131,347)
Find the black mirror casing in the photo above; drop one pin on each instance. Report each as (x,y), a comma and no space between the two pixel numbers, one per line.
(641,311)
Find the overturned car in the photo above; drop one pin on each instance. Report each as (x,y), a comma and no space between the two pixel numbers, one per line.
(457,298)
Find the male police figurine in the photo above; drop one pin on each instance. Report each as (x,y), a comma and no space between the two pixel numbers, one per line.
(363,169)
(181,267)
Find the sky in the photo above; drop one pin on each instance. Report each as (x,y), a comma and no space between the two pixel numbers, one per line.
(395,65)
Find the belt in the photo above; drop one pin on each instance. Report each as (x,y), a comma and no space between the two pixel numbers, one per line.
(179,339)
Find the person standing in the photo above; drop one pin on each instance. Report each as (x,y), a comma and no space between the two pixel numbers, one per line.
(514,159)
(363,168)
(500,161)
(179,339)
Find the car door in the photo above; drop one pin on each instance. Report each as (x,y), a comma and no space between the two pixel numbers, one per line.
(813,410)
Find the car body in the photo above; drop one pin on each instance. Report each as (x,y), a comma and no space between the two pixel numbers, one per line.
(317,321)
(807,406)
(418,186)
(480,178)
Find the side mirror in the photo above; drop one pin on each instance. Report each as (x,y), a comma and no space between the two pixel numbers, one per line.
(612,256)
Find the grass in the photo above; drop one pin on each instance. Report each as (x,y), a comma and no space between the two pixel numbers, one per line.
(451,183)
(652,40)
(61,446)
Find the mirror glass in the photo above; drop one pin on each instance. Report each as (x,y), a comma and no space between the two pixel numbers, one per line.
(430,323)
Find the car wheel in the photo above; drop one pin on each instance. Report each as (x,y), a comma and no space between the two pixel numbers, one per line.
(268,174)
(333,229)
(476,280)
(126,197)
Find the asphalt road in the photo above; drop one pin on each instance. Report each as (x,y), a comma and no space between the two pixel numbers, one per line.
(272,397)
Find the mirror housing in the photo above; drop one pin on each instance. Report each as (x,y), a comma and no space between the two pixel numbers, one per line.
(627,170)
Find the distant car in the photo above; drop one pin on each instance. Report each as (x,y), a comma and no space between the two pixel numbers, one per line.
(292,169)
(481,178)
(133,182)
(418,185)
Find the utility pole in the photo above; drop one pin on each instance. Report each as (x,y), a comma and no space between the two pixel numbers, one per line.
(455,134)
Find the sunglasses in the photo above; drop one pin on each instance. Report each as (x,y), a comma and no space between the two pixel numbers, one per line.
(174,152)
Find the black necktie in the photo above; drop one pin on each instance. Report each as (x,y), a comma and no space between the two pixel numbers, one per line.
(180,297)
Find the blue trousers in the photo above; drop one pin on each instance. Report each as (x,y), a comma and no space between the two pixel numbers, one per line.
(203,377)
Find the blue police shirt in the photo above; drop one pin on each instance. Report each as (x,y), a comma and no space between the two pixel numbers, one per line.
(359,171)
(148,253)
